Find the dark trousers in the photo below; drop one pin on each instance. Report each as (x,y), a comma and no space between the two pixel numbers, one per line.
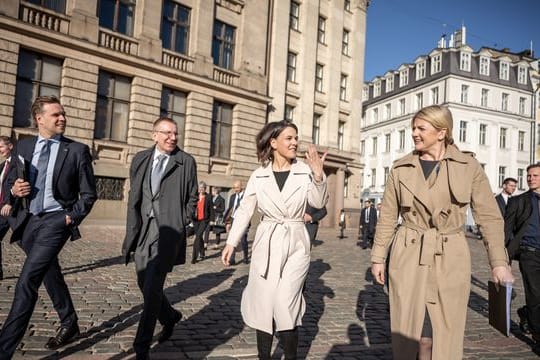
(529,265)
(198,244)
(42,240)
(156,305)
(367,235)
(4,227)
(244,244)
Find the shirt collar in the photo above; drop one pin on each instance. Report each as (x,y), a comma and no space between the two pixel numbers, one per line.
(157,153)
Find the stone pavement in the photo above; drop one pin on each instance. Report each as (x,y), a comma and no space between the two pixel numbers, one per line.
(346,318)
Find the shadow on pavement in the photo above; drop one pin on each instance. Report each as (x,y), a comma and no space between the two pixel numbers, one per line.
(372,339)
(117,324)
(117,260)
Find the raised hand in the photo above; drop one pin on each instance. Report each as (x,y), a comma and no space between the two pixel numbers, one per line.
(315,162)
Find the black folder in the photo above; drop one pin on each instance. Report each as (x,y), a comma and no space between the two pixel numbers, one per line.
(500,301)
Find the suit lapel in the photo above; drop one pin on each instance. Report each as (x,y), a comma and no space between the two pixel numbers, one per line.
(63,151)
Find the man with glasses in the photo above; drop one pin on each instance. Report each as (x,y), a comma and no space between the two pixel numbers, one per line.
(162,200)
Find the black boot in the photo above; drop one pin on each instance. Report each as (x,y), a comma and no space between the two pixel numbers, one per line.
(264,345)
(289,341)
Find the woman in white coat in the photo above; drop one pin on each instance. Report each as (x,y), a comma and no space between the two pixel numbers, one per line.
(280,191)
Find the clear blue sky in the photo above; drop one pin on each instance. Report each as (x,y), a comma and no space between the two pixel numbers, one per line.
(398,31)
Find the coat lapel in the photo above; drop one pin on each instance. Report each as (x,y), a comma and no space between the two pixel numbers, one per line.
(294,181)
(270,187)
(413,180)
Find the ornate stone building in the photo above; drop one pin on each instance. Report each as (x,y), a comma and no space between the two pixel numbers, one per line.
(221,69)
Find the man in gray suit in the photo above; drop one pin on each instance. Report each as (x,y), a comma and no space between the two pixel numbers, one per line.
(161,202)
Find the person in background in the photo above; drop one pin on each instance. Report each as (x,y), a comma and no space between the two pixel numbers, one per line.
(430,266)
(218,204)
(312,218)
(201,221)
(6,146)
(234,203)
(57,194)
(508,188)
(368,221)
(280,190)
(161,202)
(522,236)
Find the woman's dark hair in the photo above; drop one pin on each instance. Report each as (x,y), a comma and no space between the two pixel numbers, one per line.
(268,132)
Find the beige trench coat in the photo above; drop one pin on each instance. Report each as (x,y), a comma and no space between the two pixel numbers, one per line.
(281,250)
(430,265)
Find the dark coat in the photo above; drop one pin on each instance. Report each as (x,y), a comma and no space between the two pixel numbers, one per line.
(316,216)
(177,201)
(74,186)
(219,208)
(501,203)
(372,219)
(516,219)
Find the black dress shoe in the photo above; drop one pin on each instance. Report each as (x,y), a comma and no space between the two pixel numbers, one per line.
(64,336)
(168,329)
(194,261)
(142,356)
(523,321)
(1,275)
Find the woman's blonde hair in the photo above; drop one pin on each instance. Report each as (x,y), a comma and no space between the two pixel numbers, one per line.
(438,116)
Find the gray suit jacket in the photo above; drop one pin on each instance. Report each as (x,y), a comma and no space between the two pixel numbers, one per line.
(177,200)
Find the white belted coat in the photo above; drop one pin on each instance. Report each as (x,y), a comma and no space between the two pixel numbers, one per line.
(281,249)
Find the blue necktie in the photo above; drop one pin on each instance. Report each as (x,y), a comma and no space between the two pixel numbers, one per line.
(36,203)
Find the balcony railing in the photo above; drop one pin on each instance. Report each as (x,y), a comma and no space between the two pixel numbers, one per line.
(177,61)
(43,18)
(226,77)
(117,42)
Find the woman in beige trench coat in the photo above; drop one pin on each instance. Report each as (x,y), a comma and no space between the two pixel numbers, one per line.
(430,265)
(280,190)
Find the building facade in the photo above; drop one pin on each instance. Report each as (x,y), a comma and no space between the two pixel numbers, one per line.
(117,65)
(491,94)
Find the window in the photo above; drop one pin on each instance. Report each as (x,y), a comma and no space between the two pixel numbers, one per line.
(347,5)
(502,175)
(484,98)
(345,42)
(294,15)
(419,101)
(521,140)
(387,142)
(504,101)
(362,147)
(112,108)
(401,139)
(341,135)
(504,70)
(436,65)
(54,5)
(390,83)
(434,96)
(403,77)
(365,93)
(319,73)
(520,176)
(289,112)
(117,15)
(387,111)
(291,67)
(37,75)
(420,70)
(463,131)
(375,115)
(173,105)
(465,61)
(386,173)
(343,87)
(373,177)
(522,102)
(220,145)
(464,94)
(502,138)
(175,27)
(482,133)
(402,106)
(374,146)
(223,45)
(522,75)
(316,128)
(321,33)
(484,65)
(377,88)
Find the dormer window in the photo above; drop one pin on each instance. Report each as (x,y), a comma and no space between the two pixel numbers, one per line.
(404,77)
(504,72)
(522,75)
(421,70)
(377,88)
(465,61)
(436,64)
(484,65)
(390,83)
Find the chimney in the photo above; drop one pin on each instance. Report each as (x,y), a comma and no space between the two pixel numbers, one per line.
(442,42)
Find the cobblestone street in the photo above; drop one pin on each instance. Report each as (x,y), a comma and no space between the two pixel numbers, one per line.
(346,318)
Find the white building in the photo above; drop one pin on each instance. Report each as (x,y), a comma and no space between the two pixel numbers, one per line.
(489,92)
